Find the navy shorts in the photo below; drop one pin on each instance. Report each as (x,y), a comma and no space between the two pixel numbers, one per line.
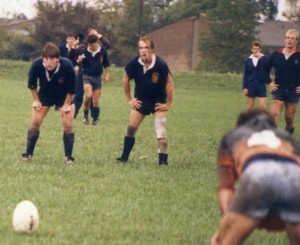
(286,95)
(269,186)
(95,81)
(51,101)
(148,106)
(257,89)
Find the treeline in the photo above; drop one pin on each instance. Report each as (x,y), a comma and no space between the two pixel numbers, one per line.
(231,25)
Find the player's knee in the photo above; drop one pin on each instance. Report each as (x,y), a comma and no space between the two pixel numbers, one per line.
(160,127)
(131,131)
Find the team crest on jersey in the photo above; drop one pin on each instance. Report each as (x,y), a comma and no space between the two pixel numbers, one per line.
(296,62)
(155,77)
(60,80)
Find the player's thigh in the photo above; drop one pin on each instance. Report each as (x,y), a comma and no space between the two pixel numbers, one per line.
(234,228)
(276,106)
(135,118)
(67,119)
(88,89)
(96,96)
(37,116)
(290,109)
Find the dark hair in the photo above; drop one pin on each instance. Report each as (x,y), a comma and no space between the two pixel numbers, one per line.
(50,50)
(92,39)
(146,39)
(70,34)
(246,116)
(257,44)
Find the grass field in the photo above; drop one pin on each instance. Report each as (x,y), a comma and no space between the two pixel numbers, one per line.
(97,201)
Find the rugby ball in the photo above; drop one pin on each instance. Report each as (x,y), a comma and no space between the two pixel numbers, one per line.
(25,217)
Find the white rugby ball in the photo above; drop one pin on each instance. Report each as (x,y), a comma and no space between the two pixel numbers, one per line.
(25,217)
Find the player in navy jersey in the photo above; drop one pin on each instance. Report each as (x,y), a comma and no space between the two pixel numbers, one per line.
(286,86)
(51,80)
(253,79)
(153,94)
(94,61)
(77,48)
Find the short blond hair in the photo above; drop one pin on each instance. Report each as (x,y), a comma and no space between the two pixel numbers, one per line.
(293,31)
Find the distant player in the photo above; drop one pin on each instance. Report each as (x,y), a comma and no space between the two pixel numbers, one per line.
(55,77)
(153,94)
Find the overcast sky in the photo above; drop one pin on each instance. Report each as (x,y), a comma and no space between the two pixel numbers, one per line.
(10,7)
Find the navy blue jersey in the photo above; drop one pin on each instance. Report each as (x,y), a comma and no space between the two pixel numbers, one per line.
(287,71)
(253,74)
(149,85)
(52,84)
(93,65)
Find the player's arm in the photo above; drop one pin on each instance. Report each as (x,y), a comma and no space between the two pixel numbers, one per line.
(170,90)
(226,177)
(133,102)
(67,103)
(36,104)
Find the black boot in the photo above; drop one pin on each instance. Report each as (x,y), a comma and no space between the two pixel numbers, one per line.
(128,145)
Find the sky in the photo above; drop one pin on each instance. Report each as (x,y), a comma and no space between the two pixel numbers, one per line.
(10,7)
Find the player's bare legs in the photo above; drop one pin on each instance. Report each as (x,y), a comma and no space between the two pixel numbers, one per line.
(88,92)
(276,108)
(234,228)
(262,102)
(290,111)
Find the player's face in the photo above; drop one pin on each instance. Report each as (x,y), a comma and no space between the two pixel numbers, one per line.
(145,51)
(50,63)
(93,46)
(70,40)
(256,51)
(291,40)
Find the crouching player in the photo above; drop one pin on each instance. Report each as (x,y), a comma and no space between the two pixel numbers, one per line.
(56,78)
(264,163)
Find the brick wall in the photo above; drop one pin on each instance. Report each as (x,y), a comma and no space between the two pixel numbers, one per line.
(176,43)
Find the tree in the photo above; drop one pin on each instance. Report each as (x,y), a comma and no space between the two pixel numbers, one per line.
(55,18)
(267,9)
(230,34)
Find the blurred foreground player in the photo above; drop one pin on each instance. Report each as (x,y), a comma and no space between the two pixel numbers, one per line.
(259,180)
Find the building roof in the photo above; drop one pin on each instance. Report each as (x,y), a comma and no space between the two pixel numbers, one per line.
(271,33)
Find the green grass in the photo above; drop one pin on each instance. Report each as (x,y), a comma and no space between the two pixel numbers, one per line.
(97,201)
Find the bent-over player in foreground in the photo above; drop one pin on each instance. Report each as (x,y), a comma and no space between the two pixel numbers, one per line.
(56,79)
(259,180)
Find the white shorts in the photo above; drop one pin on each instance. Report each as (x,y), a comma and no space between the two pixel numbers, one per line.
(269,185)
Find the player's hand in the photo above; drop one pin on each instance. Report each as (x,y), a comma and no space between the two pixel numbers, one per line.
(135,103)
(161,107)
(37,105)
(273,86)
(80,58)
(245,91)
(65,109)
(298,90)
(215,239)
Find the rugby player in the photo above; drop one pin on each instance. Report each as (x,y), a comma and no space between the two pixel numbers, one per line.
(56,79)
(286,86)
(259,180)
(94,60)
(153,94)
(253,79)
